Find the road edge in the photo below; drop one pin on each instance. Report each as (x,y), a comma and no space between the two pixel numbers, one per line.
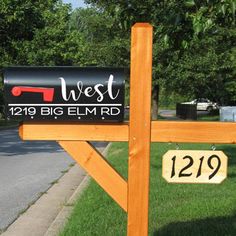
(61,219)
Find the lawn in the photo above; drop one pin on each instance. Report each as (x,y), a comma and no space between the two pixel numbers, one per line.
(175,209)
(208,117)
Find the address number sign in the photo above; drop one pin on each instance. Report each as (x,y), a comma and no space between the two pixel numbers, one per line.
(187,166)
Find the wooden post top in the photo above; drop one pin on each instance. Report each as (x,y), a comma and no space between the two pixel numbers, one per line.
(142,25)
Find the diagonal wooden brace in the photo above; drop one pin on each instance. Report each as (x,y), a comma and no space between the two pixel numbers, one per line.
(97,167)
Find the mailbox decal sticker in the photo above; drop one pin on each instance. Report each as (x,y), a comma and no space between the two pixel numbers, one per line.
(64,93)
(47,92)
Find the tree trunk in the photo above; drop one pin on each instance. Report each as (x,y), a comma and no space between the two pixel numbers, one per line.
(155,98)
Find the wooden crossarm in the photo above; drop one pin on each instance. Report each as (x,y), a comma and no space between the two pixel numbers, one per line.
(193,132)
(162,131)
(73,131)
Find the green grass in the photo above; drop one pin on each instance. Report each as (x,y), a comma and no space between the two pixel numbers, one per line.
(175,209)
(209,118)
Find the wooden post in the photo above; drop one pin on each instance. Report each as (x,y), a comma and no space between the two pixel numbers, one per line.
(139,129)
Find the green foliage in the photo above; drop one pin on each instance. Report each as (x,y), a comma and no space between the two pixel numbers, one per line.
(102,41)
(34,32)
(194,43)
(207,67)
(51,41)
(168,100)
(18,22)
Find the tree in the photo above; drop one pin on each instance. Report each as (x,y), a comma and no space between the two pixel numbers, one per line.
(34,33)
(48,45)
(102,45)
(207,66)
(191,40)
(168,19)
(18,22)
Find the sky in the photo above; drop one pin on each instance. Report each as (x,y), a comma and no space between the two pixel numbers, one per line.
(75,3)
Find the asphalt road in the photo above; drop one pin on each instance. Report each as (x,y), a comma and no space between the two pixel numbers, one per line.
(27,169)
(167,113)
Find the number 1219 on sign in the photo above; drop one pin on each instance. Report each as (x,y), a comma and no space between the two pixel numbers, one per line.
(194,166)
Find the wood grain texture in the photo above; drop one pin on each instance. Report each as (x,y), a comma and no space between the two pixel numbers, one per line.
(162,131)
(73,131)
(139,129)
(194,132)
(97,167)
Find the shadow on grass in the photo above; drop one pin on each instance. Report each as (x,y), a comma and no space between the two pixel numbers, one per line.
(219,226)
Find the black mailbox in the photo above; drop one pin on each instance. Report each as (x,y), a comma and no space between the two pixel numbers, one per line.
(64,93)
